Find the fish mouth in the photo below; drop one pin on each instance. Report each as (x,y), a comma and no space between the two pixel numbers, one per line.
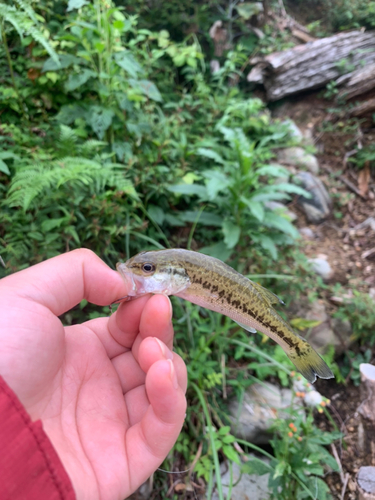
(128,278)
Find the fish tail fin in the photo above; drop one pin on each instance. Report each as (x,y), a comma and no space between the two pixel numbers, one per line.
(309,363)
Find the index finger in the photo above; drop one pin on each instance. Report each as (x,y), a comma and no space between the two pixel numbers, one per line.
(62,282)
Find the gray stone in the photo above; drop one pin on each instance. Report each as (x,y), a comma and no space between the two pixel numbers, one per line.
(366,480)
(318,207)
(297,156)
(293,130)
(252,420)
(330,331)
(281,209)
(307,233)
(247,486)
(322,268)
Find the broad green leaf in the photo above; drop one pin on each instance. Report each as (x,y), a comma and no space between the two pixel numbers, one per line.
(247,9)
(72,231)
(78,79)
(211,154)
(267,243)
(218,250)
(267,195)
(216,181)
(271,219)
(65,60)
(172,220)
(189,189)
(69,113)
(49,224)
(287,187)
(127,61)
(274,171)
(256,466)
(232,234)
(255,207)
(119,25)
(76,4)
(100,119)
(7,155)
(123,150)
(147,88)
(231,453)
(4,168)
(156,213)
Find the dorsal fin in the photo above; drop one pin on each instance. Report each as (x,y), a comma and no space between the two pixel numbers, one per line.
(268,296)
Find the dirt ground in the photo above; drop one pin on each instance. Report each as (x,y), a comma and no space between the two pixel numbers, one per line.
(349,250)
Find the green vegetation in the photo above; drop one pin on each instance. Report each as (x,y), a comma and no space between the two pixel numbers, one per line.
(116,136)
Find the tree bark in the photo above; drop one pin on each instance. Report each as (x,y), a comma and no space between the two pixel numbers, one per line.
(358,82)
(316,63)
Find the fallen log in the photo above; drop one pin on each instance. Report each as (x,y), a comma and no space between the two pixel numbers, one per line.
(314,64)
(358,82)
(363,108)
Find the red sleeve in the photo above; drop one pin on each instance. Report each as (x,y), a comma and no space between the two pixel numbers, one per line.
(29,466)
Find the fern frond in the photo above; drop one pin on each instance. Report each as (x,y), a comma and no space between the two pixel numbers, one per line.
(33,184)
(25,22)
(39,37)
(11,15)
(28,9)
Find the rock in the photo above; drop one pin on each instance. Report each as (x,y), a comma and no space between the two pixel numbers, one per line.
(333,331)
(281,209)
(297,156)
(316,208)
(366,483)
(293,130)
(307,233)
(246,487)
(253,419)
(322,268)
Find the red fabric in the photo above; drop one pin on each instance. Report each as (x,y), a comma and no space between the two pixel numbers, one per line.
(30,468)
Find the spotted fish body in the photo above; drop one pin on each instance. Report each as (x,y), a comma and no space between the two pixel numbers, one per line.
(212,284)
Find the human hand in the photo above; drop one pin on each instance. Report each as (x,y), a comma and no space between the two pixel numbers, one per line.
(108,392)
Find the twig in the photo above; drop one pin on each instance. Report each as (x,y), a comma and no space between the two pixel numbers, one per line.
(343,179)
(348,155)
(337,458)
(344,478)
(196,458)
(345,485)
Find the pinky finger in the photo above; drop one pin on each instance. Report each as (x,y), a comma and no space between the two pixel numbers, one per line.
(150,440)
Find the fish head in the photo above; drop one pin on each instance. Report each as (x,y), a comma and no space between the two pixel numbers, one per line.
(153,272)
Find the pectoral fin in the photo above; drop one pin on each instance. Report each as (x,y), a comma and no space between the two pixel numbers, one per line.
(245,327)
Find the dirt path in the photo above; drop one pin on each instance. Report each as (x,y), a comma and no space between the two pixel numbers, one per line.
(347,250)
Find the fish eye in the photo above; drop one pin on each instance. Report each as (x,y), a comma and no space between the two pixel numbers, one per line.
(148,268)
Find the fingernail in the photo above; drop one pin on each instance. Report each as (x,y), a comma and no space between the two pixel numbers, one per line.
(164,349)
(173,375)
(170,308)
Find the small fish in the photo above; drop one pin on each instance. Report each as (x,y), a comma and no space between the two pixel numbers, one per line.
(210,283)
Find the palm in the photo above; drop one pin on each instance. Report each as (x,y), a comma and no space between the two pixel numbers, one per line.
(88,385)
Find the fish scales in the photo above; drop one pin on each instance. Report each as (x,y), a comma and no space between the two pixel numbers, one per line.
(211,283)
